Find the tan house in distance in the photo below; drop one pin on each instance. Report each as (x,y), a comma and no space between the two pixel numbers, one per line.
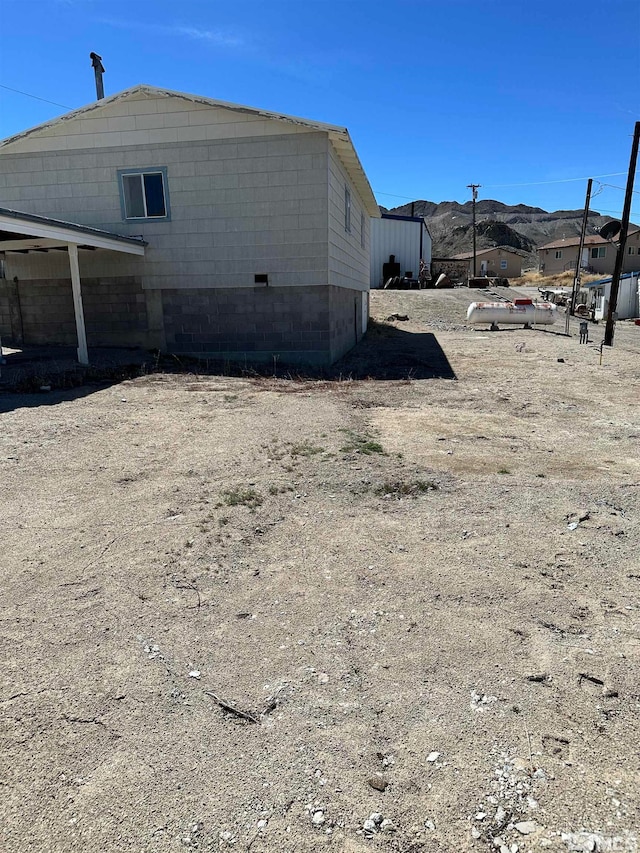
(598,255)
(500,261)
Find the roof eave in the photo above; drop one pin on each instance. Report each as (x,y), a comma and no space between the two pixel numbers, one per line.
(347,153)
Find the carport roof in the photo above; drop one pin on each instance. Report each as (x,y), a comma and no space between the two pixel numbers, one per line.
(24,232)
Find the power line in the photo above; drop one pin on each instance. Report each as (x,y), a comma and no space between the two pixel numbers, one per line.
(559,181)
(614,187)
(529,184)
(392,195)
(395,195)
(36,97)
(618,212)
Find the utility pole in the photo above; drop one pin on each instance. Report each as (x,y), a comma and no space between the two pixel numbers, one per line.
(98,69)
(624,227)
(474,190)
(571,309)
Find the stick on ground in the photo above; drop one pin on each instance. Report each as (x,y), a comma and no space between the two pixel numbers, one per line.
(231,708)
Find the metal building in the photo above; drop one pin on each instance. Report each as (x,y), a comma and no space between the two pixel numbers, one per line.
(628,303)
(407,238)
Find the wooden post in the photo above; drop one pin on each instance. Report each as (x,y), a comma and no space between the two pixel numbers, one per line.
(83,356)
(571,307)
(474,190)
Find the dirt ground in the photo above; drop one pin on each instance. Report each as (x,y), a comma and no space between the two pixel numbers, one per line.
(421,593)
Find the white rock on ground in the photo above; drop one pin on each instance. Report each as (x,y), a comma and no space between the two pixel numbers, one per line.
(526,827)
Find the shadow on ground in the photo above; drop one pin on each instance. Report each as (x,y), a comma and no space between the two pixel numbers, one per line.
(46,375)
(41,376)
(389,352)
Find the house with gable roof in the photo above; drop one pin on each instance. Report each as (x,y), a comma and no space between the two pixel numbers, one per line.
(165,220)
(598,254)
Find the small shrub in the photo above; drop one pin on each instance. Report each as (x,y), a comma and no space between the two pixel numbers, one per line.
(362,444)
(503,471)
(242,497)
(401,488)
(305,448)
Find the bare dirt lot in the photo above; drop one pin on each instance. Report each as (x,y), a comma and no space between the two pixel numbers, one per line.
(385,614)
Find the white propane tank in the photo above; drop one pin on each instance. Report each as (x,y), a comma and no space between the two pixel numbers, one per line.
(522,312)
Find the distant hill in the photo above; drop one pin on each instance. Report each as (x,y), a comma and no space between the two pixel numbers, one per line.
(519,225)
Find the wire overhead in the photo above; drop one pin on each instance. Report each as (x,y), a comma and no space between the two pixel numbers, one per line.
(395,195)
(36,97)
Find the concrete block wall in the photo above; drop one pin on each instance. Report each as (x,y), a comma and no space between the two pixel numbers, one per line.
(45,313)
(115,312)
(247,195)
(142,118)
(348,259)
(346,319)
(253,324)
(45,266)
(5,311)
(41,312)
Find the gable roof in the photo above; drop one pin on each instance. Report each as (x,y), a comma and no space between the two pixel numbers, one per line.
(465,256)
(566,242)
(338,135)
(590,240)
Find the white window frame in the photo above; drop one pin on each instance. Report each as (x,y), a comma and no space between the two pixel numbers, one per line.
(503,264)
(558,254)
(600,252)
(129,173)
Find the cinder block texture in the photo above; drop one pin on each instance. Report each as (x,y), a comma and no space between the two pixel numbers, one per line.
(114,309)
(252,324)
(346,320)
(239,207)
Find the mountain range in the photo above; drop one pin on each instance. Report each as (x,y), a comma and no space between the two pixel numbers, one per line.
(520,226)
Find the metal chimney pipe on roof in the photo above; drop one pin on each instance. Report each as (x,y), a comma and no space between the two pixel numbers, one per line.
(98,68)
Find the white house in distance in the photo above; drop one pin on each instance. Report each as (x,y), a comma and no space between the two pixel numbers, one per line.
(406,238)
(597,295)
(160,219)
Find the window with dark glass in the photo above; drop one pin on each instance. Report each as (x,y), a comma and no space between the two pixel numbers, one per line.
(144,195)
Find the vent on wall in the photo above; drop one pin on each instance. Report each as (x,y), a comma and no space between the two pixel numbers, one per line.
(261,278)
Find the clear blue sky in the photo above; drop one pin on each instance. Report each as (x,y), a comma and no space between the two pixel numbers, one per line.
(436,93)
